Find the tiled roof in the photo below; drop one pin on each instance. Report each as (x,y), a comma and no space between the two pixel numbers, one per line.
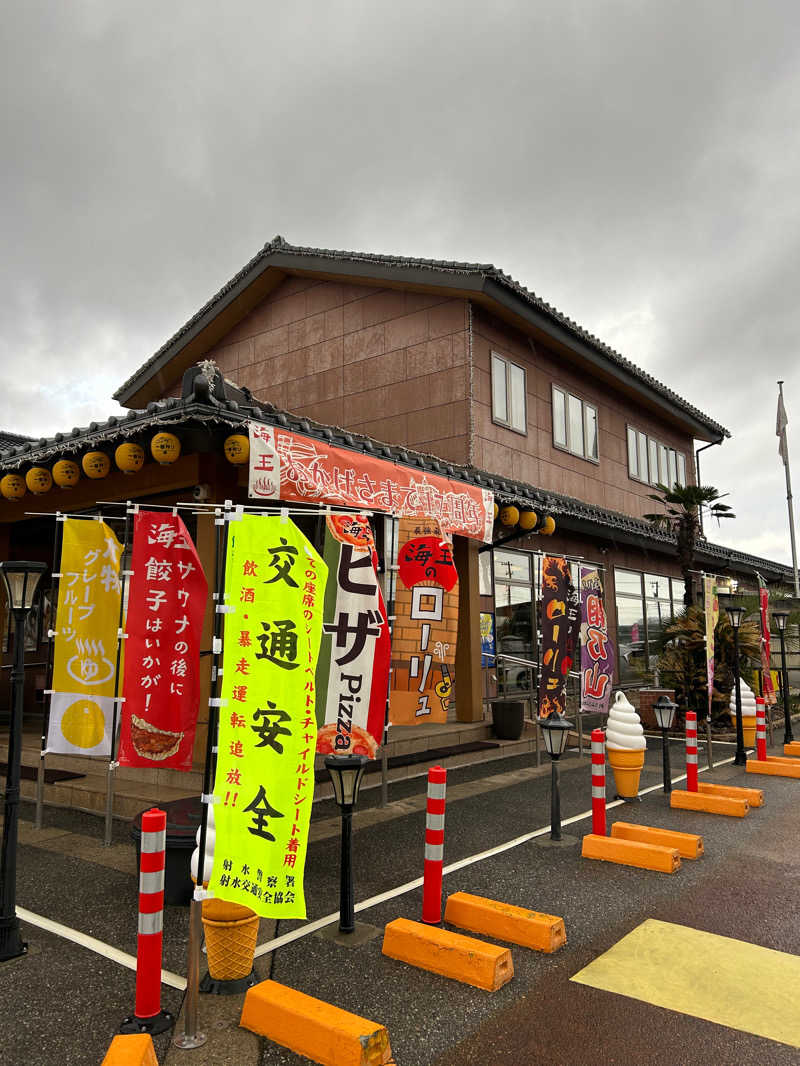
(450,268)
(11,440)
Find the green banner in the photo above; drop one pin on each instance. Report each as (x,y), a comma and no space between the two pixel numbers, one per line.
(274,591)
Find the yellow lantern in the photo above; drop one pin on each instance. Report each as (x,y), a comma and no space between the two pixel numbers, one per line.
(496,511)
(509,516)
(12,486)
(129,458)
(96,464)
(237,449)
(548,526)
(165,448)
(528,520)
(38,480)
(66,473)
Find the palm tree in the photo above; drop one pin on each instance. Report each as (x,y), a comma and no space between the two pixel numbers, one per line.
(683,507)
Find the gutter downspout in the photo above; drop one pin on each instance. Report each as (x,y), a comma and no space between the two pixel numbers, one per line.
(697,470)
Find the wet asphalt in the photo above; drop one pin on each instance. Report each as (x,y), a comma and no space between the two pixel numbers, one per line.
(62,1003)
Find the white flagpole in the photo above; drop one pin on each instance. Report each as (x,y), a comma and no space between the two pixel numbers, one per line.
(785,457)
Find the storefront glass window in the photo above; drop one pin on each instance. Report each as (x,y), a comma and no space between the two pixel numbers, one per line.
(646,604)
(514,614)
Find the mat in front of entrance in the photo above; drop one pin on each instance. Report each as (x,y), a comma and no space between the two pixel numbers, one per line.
(51,777)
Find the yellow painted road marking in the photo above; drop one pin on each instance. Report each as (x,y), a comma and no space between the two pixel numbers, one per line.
(705,976)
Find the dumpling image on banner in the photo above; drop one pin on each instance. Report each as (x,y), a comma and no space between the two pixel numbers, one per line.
(80,725)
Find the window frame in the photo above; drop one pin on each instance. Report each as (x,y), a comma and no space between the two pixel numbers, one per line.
(664,455)
(507,423)
(585,405)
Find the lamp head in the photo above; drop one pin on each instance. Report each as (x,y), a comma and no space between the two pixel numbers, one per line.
(555,730)
(346,772)
(733,608)
(780,619)
(664,710)
(21,580)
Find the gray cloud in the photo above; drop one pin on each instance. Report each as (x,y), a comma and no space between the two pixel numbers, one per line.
(635,164)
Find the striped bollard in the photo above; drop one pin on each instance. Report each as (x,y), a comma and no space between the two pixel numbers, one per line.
(434,846)
(691,751)
(599,783)
(148,1016)
(761,730)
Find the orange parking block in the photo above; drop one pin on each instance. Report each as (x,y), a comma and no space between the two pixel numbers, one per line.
(700,801)
(323,1033)
(789,768)
(792,749)
(689,845)
(503,921)
(131,1049)
(787,759)
(754,796)
(463,958)
(631,853)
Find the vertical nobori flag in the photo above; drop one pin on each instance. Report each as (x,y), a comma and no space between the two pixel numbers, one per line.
(711,608)
(85,649)
(264,787)
(597,651)
(166,604)
(560,613)
(353,668)
(766,652)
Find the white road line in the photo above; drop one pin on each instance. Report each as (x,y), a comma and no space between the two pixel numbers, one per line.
(98,946)
(409,886)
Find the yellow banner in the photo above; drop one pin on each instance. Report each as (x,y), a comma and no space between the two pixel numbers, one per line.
(85,649)
(275,590)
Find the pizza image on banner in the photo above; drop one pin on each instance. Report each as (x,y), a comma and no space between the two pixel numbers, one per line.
(353,668)
(426,625)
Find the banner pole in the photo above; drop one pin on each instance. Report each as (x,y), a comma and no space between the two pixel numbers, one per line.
(115,713)
(51,636)
(191,1037)
(391,589)
(789,503)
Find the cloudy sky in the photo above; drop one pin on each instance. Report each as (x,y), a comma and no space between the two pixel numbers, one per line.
(635,163)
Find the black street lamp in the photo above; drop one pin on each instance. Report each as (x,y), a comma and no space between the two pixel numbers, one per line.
(346,772)
(555,730)
(735,613)
(664,710)
(20,580)
(781,618)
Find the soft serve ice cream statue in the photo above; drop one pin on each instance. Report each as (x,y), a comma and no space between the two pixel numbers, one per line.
(625,746)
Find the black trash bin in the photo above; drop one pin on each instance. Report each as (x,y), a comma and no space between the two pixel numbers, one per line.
(183,819)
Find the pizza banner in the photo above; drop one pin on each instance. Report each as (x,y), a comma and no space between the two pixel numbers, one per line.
(711,610)
(290,466)
(85,644)
(353,668)
(264,786)
(426,625)
(767,685)
(166,603)
(560,612)
(597,651)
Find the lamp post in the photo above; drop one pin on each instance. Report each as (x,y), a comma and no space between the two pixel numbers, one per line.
(20,581)
(346,772)
(555,730)
(781,618)
(664,710)
(735,613)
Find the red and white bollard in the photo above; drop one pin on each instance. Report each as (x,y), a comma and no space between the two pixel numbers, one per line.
(434,846)
(599,827)
(761,730)
(148,1016)
(691,751)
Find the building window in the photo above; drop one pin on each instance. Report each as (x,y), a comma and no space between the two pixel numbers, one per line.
(646,604)
(514,616)
(652,462)
(574,425)
(508,394)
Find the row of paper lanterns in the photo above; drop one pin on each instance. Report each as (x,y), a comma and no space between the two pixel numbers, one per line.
(527,520)
(129,458)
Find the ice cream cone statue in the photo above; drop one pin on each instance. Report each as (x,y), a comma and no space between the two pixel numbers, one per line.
(231,930)
(625,746)
(748,712)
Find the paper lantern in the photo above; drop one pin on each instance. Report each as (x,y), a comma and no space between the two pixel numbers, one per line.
(12,486)
(528,520)
(237,449)
(165,448)
(496,510)
(66,473)
(548,526)
(509,516)
(96,464)
(129,458)
(38,480)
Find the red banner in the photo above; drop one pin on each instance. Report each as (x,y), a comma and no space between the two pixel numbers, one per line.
(290,466)
(166,604)
(766,653)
